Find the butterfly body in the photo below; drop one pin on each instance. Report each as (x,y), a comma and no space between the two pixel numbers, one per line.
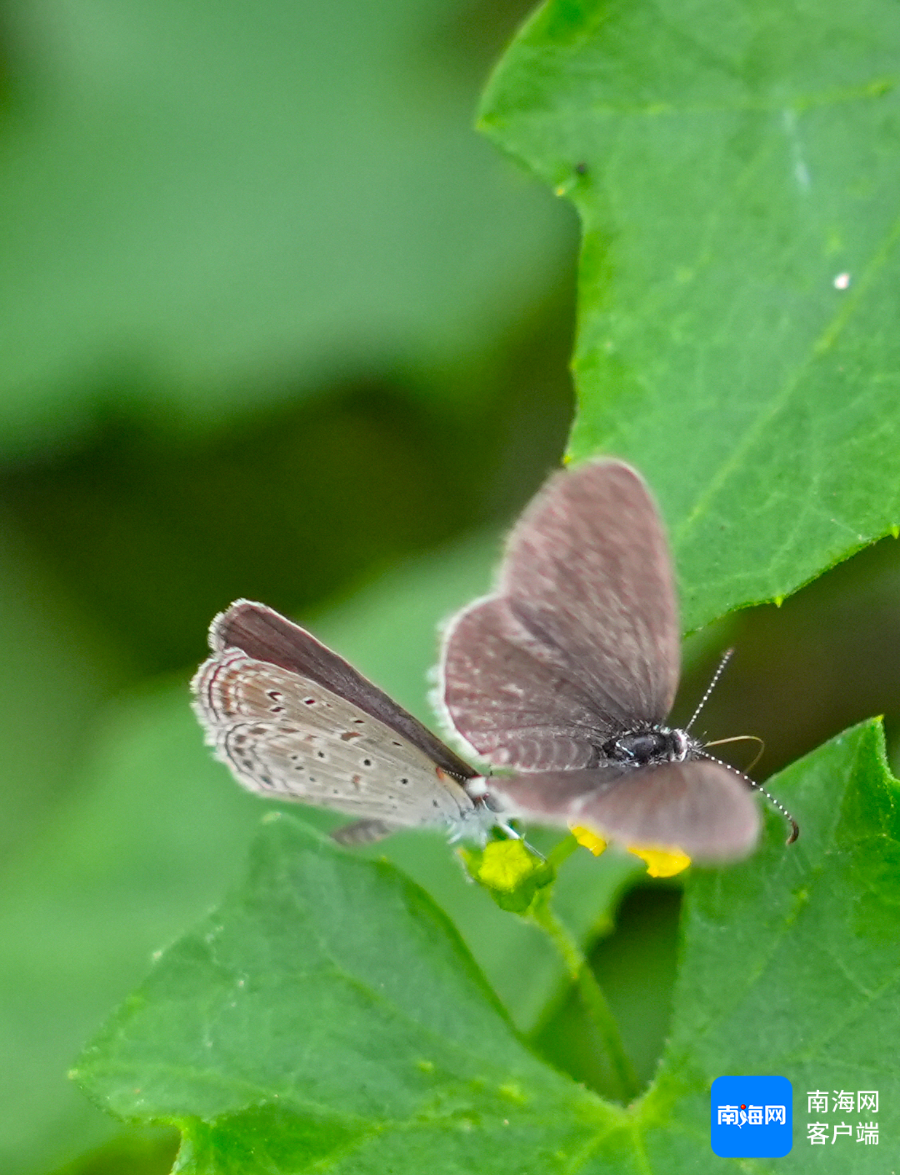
(658,744)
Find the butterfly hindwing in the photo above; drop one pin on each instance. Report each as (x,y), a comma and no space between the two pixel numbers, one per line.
(698,806)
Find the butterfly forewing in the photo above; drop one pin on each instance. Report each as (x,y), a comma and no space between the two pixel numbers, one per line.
(508,696)
(580,641)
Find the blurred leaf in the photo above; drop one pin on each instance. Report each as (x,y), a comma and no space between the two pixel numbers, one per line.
(207,202)
(327,1012)
(138,1152)
(155,528)
(729,161)
(57,668)
(158,532)
(146,841)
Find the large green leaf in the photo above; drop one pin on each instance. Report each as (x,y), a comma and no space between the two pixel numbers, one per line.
(328,1009)
(792,964)
(328,1013)
(730,162)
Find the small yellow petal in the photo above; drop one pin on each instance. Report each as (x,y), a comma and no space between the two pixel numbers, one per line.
(590,840)
(661,862)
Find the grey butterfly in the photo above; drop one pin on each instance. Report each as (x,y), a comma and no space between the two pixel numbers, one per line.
(294,720)
(568,672)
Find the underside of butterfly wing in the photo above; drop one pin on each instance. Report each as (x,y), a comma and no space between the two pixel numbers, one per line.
(364,832)
(287,736)
(265,635)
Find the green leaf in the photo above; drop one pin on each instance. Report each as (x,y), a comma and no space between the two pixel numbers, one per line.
(327,1009)
(729,161)
(327,1012)
(791,962)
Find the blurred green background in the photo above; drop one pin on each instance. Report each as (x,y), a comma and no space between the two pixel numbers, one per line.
(277,323)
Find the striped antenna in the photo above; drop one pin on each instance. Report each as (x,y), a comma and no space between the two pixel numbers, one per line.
(795,827)
(726,657)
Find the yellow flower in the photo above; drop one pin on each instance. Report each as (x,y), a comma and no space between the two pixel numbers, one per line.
(660,862)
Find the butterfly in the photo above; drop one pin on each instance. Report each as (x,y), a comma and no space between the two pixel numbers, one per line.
(566,674)
(294,720)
